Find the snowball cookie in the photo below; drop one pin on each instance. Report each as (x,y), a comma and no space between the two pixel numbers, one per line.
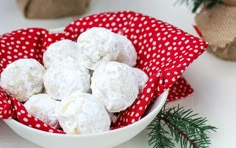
(23,78)
(127,53)
(43,107)
(115,84)
(58,51)
(97,45)
(66,77)
(141,77)
(82,113)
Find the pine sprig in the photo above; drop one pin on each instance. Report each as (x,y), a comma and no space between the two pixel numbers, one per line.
(196,4)
(158,135)
(180,125)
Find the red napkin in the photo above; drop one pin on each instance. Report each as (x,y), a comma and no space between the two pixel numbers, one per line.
(164,52)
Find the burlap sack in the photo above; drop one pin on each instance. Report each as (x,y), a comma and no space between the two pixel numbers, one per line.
(52,8)
(218,27)
(230,2)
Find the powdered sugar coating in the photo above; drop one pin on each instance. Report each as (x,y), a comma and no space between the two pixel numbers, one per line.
(97,45)
(43,107)
(58,51)
(141,77)
(127,53)
(66,77)
(82,113)
(115,84)
(23,78)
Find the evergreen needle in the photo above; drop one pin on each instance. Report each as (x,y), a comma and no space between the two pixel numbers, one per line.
(178,125)
(196,4)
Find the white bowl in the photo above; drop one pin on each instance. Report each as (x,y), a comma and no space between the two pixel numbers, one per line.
(107,139)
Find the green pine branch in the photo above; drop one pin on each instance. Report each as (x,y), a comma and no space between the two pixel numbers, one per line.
(180,126)
(158,135)
(196,4)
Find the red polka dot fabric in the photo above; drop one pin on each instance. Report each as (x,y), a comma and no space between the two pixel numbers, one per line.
(6,110)
(26,43)
(11,108)
(180,89)
(164,52)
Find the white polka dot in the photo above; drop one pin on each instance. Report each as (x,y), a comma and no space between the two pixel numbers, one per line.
(145,53)
(22,111)
(133,121)
(84,23)
(138,102)
(163,59)
(133,107)
(132,113)
(9,57)
(173,79)
(191,55)
(140,108)
(25,119)
(118,19)
(18,42)
(183,38)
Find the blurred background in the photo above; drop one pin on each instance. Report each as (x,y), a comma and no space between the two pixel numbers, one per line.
(14,17)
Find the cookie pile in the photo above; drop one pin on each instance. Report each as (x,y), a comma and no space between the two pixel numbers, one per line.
(80,84)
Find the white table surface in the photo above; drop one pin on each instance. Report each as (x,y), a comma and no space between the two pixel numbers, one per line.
(213,80)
